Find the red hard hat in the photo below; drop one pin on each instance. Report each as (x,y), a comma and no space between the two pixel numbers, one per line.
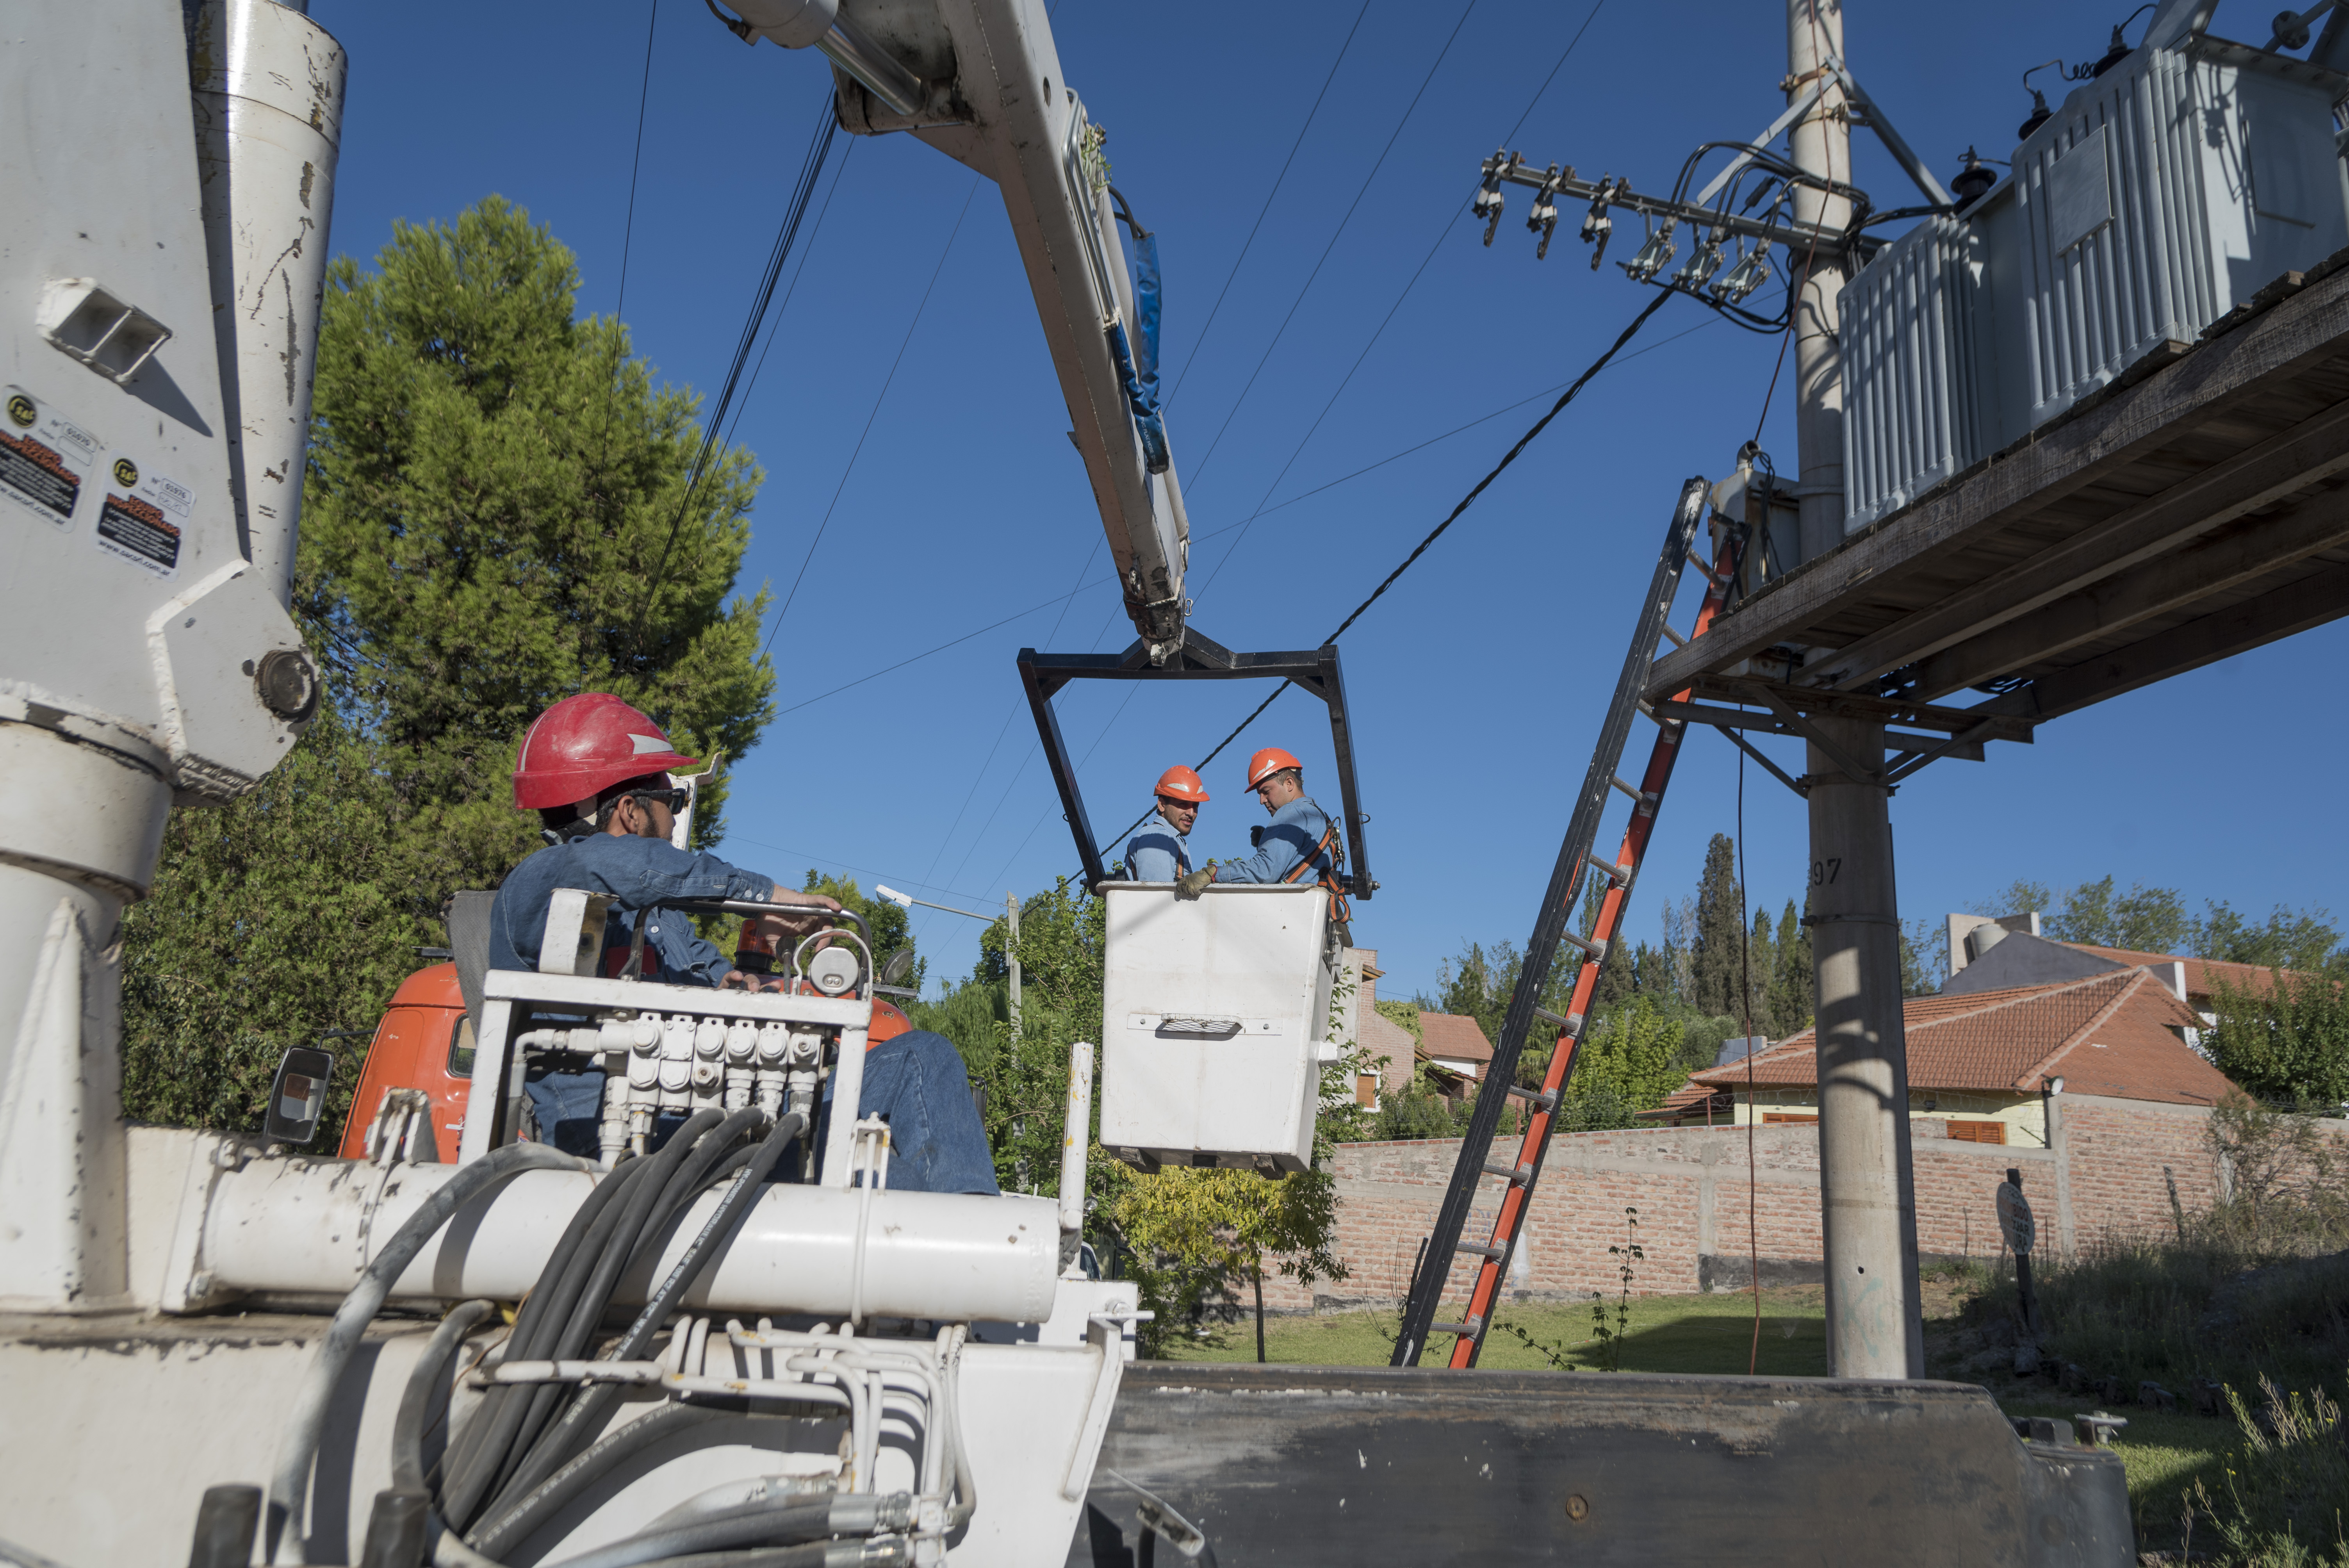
(1179,783)
(582,746)
(1271,759)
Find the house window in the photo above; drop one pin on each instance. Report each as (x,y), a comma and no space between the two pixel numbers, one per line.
(1978,1131)
(1770,1117)
(1366,1091)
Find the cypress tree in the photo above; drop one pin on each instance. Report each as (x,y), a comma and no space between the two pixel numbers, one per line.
(1714,952)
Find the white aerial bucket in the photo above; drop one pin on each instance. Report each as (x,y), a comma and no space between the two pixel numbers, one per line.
(1214,1011)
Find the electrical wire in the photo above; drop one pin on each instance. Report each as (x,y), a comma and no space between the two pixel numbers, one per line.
(784,305)
(1345,381)
(886,382)
(1199,468)
(786,236)
(636,160)
(1192,357)
(1065,599)
(1467,500)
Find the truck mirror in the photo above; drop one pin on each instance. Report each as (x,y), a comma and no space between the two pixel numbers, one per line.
(899,965)
(297,1095)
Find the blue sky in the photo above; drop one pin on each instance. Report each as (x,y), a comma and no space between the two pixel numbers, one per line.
(1477,683)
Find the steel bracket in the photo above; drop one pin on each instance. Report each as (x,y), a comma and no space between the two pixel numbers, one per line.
(1197,658)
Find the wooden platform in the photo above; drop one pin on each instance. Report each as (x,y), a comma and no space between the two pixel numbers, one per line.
(2193,510)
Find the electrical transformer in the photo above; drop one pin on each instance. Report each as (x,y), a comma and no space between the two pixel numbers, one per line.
(2158,198)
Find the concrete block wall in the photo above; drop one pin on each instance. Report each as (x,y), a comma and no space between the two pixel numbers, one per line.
(1690,1185)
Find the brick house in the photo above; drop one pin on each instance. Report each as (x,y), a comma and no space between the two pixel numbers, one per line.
(1387,1053)
(1980,1061)
(1454,1046)
(2112,1152)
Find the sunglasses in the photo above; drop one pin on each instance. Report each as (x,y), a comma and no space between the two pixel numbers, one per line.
(673,800)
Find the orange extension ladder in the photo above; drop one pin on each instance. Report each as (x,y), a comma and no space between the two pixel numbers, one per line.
(1552,929)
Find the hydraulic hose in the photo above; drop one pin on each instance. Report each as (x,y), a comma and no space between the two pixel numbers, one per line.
(408,1427)
(506,1411)
(525,1465)
(500,1411)
(464,1490)
(289,1487)
(512,1527)
(787,1522)
(587,1413)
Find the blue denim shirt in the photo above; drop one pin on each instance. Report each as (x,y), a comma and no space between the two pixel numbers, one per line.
(1292,835)
(1158,853)
(636,872)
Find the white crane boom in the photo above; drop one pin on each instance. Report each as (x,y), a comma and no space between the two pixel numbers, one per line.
(980,80)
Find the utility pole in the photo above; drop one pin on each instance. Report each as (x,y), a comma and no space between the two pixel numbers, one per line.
(1867,1189)
(1011,954)
(1820,143)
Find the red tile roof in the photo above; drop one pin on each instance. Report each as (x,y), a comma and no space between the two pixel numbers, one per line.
(1453,1036)
(2203,976)
(2108,1035)
(1690,1100)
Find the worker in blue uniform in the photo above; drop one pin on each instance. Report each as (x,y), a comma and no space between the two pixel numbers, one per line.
(597,771)
(1161,851)
(1299,845)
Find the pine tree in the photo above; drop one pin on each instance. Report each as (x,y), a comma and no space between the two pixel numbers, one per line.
(496,516)
(1715,952)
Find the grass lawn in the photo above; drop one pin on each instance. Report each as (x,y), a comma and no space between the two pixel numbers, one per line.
(1699,1334)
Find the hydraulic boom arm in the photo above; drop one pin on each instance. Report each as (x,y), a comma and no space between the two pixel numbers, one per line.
(980,80)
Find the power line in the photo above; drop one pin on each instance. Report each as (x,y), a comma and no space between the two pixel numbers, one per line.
(1327,249)
(636,160)
(1196,347)
(1465,502)
(1012,713)
(1064,600)
(1388,320)
(886,382)
(786,235)
(798,272)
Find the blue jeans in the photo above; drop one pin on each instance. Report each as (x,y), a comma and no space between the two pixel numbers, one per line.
(915,1083)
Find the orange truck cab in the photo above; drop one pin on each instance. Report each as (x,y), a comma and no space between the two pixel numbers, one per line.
(426,1041)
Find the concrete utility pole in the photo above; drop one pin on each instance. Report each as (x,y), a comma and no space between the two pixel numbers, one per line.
(1867,1190)
(1821,144)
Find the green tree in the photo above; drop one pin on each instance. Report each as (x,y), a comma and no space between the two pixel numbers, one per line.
(2145,919)
(1715,953)
(2304,940)
(1627,1064)
(492,490)
(2287,1042)
(1792,981)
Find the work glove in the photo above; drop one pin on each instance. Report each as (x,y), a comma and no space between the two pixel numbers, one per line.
(1197,882)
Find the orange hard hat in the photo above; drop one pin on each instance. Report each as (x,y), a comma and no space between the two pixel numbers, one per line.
(1270,760)
(1179,783)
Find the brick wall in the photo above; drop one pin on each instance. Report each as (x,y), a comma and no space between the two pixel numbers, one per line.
(1690,1186)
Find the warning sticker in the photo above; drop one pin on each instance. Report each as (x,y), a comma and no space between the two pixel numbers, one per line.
(44,458)
(135,528)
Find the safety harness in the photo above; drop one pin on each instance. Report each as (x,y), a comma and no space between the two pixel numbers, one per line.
(1329,855)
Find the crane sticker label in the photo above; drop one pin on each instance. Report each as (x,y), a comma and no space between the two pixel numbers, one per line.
(136,522)
(44,458)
